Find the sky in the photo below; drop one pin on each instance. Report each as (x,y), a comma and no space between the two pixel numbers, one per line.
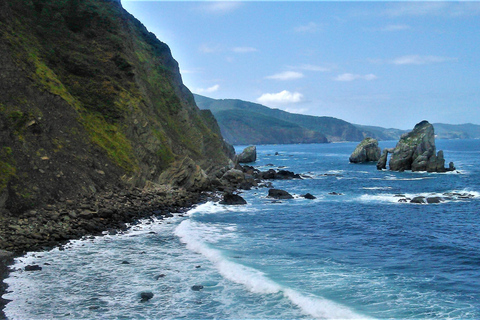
(390,64)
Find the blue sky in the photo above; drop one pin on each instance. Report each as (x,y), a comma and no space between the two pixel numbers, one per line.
(390,64)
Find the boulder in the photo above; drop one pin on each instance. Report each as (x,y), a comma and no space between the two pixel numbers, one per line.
(419,199)
(279,194)
(249,154)
(309,196)
(366,151)
(232,199)
(33,267)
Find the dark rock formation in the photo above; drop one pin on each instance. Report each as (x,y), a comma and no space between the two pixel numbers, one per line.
(197,287)
(232,199)
(366,151)
(279,194)
(382,162)
(415,151)
(145,296)
(309,196)
(249,154)
(33,267)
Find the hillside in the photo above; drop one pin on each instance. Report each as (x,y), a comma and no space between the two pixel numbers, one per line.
(457,131)
(380,133)
(89,100)
(244,122)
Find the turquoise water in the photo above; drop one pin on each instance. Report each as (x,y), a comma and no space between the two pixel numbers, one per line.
(360,254)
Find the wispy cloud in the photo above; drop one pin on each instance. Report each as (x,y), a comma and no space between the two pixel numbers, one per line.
(220,7)
(287,75)
(311,27)
(420,60)
(311,67)
(205,48)
(347,77)
(283,97)
(207,90)
(244,49)
(433,8)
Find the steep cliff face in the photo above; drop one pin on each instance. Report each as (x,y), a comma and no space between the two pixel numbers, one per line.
(90,99)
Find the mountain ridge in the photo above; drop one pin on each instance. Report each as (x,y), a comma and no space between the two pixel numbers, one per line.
(234,115)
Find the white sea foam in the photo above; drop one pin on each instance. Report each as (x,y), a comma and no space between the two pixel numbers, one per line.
(448,196)
(256,281)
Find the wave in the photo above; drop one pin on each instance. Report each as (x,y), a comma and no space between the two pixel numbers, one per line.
(448,196)
(190,233)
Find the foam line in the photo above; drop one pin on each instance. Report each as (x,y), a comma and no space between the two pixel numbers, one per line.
(256,281)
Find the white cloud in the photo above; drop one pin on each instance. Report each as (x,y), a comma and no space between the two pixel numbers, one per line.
(347,77)
(287,75)
(419,60)
(244,49)
(308,28)
(283,97)
(207,90)
(221,7)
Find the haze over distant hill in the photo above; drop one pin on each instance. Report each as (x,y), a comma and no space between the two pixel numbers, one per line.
(243,122)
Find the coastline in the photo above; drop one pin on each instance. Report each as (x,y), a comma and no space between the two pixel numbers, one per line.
(113,210)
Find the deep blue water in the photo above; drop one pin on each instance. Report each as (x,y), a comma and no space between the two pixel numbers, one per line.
(361,254)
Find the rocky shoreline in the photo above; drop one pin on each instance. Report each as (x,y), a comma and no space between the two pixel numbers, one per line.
(111,211)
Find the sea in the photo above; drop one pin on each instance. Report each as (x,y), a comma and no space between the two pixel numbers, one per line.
(354,252)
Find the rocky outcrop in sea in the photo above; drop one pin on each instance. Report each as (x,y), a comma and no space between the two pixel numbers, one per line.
(366,151)
(416,151)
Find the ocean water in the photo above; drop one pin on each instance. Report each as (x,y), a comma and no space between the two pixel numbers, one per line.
(355,254)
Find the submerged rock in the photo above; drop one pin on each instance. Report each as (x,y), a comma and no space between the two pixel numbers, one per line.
(197,287)
(366,151)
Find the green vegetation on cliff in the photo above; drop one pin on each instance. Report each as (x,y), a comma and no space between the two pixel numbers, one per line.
(86,82)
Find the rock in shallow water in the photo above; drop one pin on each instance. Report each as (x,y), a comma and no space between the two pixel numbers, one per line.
(145,296)
(232,199)
(279,194)
(34,267)
(197,287)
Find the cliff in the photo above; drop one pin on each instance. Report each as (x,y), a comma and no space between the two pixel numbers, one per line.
(89,100)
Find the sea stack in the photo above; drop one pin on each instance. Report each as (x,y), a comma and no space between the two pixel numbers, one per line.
(366,151)
(416,151)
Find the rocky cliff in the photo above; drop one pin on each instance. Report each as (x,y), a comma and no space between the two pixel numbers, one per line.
(89,99)
(416,151)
